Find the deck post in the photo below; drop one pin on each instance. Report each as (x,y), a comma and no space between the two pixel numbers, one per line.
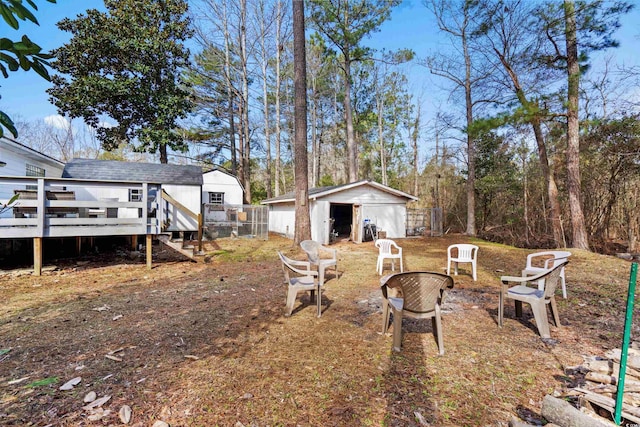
(37,256)
(149,250)
(200,226)
(134,242)
(79,245)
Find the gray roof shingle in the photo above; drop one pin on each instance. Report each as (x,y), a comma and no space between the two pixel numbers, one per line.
(113,170)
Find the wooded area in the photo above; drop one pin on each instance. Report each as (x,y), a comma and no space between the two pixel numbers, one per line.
(538,147)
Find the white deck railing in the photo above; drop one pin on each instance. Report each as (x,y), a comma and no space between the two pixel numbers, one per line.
(64,207)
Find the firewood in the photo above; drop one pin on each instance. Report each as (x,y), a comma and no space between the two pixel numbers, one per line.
(628,412)
(561,412)
(630,385)
(633,357)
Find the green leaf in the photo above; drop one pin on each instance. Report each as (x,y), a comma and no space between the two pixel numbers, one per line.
(8,17)
(24,13)
(43,382)
(6,121)
(4,351)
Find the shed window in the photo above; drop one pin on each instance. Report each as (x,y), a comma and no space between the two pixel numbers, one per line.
(32,170)
(216,198)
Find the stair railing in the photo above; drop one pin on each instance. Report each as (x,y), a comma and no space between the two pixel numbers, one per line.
(185,210)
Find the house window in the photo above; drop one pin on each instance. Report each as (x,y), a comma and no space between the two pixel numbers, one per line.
(216,198)
(135,194)
(32,170)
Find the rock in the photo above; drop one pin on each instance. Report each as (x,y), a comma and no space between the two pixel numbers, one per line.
(90,397)
(160,424)
(71,383)
(125,414)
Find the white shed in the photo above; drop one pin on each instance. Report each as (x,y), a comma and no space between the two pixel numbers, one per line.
(181,182)
(220,187)
(344,210)
(19,160)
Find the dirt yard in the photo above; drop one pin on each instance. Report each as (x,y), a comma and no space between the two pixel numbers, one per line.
(207,344)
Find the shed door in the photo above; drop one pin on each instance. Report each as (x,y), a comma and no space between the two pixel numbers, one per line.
(356,226)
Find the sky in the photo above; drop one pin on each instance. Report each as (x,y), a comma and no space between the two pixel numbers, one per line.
(411,26)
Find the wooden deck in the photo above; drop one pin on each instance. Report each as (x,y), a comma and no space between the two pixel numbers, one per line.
(46,209)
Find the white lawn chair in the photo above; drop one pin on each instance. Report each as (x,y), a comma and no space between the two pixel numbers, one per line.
(388,249)
(551,260)
(465,253)
(537,298)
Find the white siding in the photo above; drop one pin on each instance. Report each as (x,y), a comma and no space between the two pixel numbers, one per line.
(16,158)
(220,182)
(319,213)
(388,211)
(190,197)
(390,218)
(364,195)
(282,219)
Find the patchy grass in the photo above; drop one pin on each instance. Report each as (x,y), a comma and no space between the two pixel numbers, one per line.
(207,344)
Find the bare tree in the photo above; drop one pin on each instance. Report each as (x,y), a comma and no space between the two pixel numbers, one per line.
(455,19)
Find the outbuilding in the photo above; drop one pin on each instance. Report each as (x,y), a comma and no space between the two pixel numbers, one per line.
(344,211)
(221,188)
(183,183)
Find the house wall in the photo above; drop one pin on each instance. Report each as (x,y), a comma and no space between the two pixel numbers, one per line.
(16,159)
(282,218)
(220,182)
(191,197)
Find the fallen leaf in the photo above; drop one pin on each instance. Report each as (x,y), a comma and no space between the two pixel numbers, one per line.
(125,414)
(90,397)
(119,316)
(71,383)
(97,403)
(192,357)
(103,308)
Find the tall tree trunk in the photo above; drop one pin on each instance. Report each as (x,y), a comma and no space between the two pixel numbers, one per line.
(471,149)
(383,154)
(547,172)
(315,143)
(414,146)
(352,149)
(578,229)
(246,149)
(265,100)
(279,46)
(230,100)
(303,222)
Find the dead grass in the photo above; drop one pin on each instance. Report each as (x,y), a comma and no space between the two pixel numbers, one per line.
(248,363)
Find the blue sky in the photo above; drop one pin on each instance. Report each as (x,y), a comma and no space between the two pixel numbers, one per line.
(411,26)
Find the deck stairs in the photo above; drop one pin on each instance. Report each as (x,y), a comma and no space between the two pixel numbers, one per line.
(181,246)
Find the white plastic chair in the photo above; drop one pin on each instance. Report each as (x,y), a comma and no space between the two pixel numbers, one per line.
(551,260)
(386,249)
(315,251)
(466,253)
(300,280)
(537,298)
